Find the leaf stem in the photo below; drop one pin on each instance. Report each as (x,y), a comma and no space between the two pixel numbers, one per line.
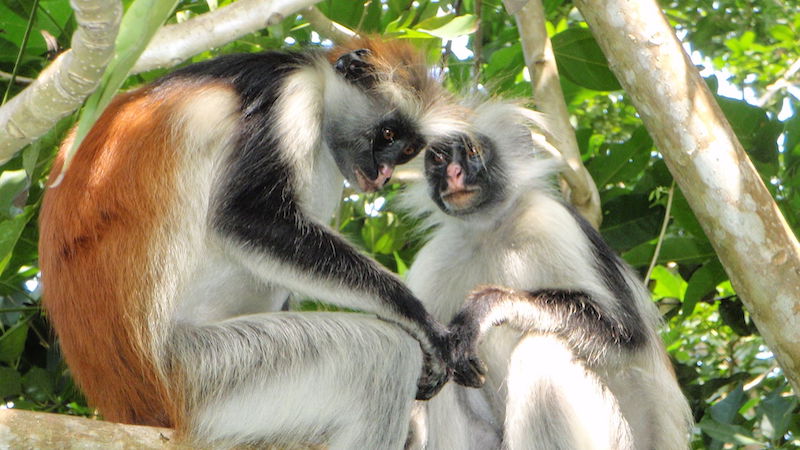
(21,52)
(662,233)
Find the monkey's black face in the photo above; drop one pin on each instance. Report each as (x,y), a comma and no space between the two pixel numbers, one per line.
(376,135)
(464,175)
(367,155)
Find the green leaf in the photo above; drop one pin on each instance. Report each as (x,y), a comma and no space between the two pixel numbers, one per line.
(345,12)
(13,28)
(449,27)
(629,220)
(747,121)
(725,410)
(782,33)
(777,411)
(684,216)
(668,284)
(12,342)
(10,230)
(402,268)
(38,384)
(622,161)
(703,281)
(504,62)
(728,433)
(10,382)
(12,183)
(580,59)
(679,249)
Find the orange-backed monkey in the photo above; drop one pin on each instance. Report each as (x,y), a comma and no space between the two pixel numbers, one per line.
(194,207)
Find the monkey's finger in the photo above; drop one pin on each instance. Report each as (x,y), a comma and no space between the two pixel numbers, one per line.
(471,374)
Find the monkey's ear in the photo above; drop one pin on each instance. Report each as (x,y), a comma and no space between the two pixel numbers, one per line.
(355,68)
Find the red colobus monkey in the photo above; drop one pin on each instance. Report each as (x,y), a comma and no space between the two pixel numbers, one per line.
(577,362)
(197,203)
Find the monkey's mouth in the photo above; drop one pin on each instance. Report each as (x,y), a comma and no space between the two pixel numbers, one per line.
(367,185)
(460,199)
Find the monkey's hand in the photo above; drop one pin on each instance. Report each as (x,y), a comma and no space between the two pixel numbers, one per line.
(435,374)
(468,369)
(436,369)
(465,332)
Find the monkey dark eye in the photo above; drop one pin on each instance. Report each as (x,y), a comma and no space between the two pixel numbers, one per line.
(387,134)
(408,151)
(438,158)
(472,151)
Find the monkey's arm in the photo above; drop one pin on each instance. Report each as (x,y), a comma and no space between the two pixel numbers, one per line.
(294,251)
(588,329)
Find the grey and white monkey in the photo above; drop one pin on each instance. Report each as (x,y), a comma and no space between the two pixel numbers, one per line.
(193,208)
(566,330)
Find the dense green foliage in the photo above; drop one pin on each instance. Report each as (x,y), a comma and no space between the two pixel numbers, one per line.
(738,393)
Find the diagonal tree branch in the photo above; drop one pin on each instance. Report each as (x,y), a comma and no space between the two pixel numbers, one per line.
(326,27)
(64,85)
(174,44)
(750,235)
(541,63)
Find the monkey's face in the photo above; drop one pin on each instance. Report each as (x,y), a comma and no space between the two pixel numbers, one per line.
(371,125)
(367,150)
(464,175)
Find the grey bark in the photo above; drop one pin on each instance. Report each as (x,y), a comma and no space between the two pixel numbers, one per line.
(751,237)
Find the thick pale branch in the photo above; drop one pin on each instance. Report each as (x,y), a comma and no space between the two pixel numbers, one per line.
(326,27)
(28,429)
(549,99)
(63,86)
(174,44)
(754,243)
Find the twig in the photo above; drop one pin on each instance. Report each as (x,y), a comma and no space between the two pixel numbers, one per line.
(662,233)
(17,78)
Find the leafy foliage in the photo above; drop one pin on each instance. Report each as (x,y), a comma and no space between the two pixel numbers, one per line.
(738,393)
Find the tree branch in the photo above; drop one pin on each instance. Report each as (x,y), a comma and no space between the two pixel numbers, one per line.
(63,86)
(779,84)
(326,27)
(752,239)
(174,44)
(28,429)
(549,99)
(17,78)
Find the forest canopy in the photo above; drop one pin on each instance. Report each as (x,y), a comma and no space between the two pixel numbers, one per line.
(748,52)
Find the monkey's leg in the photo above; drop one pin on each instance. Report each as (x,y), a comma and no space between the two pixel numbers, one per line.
(344,380)
(555,403)
(460,418)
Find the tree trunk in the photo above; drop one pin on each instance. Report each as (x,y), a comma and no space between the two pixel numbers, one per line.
(752,239)
(541,62)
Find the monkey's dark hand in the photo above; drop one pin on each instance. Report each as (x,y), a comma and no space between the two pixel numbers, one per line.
(355,67)
(435,369)
(465,332)
(435,374)
(468,369)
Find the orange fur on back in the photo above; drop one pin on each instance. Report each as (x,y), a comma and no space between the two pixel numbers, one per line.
(97,227)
